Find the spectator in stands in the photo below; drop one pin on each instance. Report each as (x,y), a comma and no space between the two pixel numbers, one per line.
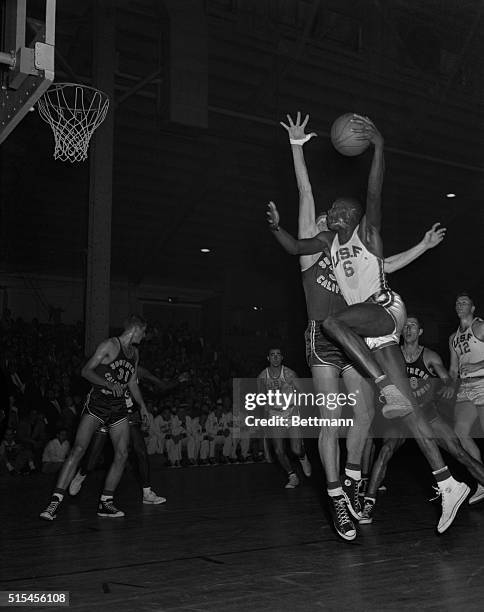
(31,433)
(52,411)
(13,417)
(55,453)
(14,456)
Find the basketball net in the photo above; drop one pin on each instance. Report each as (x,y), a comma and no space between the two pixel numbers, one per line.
(73,112)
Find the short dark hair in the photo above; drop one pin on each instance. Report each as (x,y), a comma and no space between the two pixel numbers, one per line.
(464,294)
(351,204)
(274,347)
(412,316)
(134,320)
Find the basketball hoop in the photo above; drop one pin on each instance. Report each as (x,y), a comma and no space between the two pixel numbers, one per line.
(73,112)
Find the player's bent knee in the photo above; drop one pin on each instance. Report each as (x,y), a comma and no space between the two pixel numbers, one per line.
(121,455)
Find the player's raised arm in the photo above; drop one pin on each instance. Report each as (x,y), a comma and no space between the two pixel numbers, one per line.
(366,130)
(307,246)
(297,137)
(432,238)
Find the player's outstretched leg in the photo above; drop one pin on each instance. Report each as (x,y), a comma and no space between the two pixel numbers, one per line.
(451,443)
(86,429)
(90,459)
(143,465)
(349,327)
(390,445)
(119,433)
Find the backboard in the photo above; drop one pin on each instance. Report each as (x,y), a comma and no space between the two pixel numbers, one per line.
(27,48)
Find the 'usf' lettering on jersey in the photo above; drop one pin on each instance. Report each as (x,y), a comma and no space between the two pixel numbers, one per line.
(358,271)
(344,254)
(469,349)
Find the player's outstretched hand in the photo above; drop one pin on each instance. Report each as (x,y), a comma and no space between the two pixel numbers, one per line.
(272,215)
(296,130)
(434,236)
(365,129)
(447,392)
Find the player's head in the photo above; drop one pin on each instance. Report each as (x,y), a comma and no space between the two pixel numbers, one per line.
(344,213)
(412,329)
(322,222)
(275,357)
(135,325)
(464,305)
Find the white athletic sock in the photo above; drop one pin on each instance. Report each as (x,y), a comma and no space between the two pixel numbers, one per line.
(106,497)
(355,474)
(335,492)
(448,482)
(146,490)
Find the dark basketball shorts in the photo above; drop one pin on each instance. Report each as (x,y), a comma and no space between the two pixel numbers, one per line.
(134,417)
(321,351)
(109,411)
(429,411)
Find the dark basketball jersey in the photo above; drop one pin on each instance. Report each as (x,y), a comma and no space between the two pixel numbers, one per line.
(323,296)
(422,380)
(119,370)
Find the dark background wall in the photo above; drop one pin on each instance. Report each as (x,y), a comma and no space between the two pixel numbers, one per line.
(198,152)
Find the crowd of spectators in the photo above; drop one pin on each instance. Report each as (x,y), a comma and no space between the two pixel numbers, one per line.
(190,422)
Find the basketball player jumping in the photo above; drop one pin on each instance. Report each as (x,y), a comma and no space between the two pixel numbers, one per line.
(277,377)
(374,312)
(424,370)
(112,370)
(467,363)
(325,358)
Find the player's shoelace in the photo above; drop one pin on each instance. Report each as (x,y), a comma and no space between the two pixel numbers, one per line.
(362,485)
(367,509)
(355,499)
(342,515)
(438,493)
(52,507)
(109,505)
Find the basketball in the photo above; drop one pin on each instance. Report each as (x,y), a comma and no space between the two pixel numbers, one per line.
(344,140)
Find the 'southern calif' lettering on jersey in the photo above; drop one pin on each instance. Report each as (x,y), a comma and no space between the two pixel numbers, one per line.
(323,296)
(118,371)
(421,379)
(359,273)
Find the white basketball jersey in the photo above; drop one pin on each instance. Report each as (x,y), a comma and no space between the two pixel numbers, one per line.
(359,273)
(279,383)
(469,349)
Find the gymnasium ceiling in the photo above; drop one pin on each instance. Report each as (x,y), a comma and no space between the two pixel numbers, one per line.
(415,67)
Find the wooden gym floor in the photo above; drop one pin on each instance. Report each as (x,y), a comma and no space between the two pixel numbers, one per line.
(231,538)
